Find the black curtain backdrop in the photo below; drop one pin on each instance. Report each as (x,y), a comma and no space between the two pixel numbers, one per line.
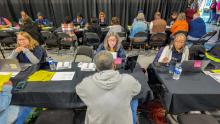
(56,10)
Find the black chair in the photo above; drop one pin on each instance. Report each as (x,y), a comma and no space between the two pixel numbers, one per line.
(64,40)
(50,38)
(205,38)
(196,52)
(123,39)
(158,40)
(196,119)
(91,39)
(62,116)
(140,39)
(84,50)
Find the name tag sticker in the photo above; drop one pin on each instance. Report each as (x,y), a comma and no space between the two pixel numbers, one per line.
(197,64)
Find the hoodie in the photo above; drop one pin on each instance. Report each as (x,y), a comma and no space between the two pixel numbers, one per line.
(107,95)
(197,28)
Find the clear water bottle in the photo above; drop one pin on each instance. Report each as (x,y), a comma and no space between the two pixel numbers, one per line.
(172,65)
(177,72)
(52,64)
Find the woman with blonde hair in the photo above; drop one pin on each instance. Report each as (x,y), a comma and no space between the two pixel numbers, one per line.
(102,19)
(112,44)
(28,50)
(180,24)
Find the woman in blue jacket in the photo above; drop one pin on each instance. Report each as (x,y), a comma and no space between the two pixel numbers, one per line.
(112,44)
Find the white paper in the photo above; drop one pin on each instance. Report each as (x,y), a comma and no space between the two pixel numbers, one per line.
(59,76)
(7,73)
(215,76)
(64,65)
(114,54)
(87,66)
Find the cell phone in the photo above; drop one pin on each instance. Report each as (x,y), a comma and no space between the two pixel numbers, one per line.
(20,85)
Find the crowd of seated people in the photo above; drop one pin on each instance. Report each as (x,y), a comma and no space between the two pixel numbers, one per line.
(29,50)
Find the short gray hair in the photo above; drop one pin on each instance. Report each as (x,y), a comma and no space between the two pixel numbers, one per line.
(103,60)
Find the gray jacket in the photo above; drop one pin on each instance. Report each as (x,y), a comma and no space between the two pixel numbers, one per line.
(107,95)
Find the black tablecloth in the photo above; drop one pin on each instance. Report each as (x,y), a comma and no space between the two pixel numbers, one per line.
(61,94)
(193,91)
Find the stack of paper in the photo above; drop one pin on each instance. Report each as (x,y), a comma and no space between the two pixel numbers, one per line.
(41,75)
(3,79)
(63,76)
(87,66)
(64,65)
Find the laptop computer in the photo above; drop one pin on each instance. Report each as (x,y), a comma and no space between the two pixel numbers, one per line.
(9,65)
(194,65)
(131,63)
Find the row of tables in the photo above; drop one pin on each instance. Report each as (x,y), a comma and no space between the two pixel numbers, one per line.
(62,94)
(194,91)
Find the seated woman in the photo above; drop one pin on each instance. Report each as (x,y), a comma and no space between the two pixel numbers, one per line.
(28,50)
(102,19)
(24,16)
(180,24)
(115,25)
(4,22)
(5,98)
(177,51)
(173,18)
(139,26)
(112,44)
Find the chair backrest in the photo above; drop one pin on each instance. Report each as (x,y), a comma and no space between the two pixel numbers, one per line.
(91,39)
(122,36)
(84,50)
(141,34)
(62,35)
(158,39)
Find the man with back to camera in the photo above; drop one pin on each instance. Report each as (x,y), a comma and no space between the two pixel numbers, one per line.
(108,93)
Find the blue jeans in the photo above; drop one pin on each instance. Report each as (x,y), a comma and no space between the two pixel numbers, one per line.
(211,16)
(23,114)
(134,105)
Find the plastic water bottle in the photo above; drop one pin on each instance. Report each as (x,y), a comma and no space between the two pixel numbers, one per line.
(52,64)
(172,65)
(177,72)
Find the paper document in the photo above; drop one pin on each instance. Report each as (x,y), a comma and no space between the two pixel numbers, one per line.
(13,74)
(3,79)
(63,76)
(64,65)
(216,76)
(87,66)
(41,75)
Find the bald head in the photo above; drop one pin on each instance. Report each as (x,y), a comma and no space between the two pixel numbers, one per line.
(104,61)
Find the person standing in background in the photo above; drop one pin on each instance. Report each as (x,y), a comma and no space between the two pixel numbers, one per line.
(212,11)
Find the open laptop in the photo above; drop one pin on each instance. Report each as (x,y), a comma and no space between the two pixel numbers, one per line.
(9,65)
(131,62)
(194,65)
